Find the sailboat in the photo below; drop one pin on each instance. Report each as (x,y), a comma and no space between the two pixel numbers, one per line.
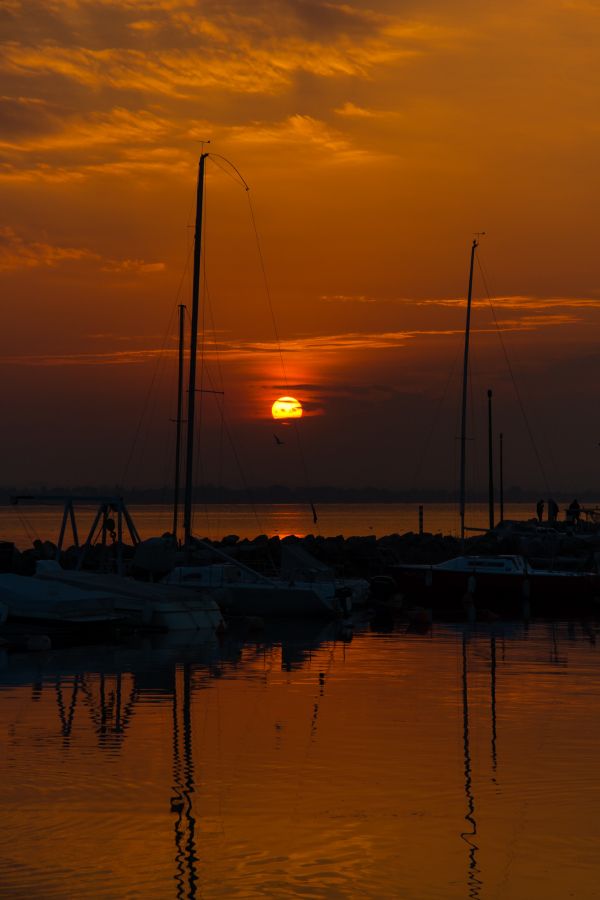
(509,582)
(241,590)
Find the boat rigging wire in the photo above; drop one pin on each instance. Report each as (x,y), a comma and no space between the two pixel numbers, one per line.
(240,177)
(434,421)
(213,388)
(241,180)
(515,386)
(158,360)
(280,351)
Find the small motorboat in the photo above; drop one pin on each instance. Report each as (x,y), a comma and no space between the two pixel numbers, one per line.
(505,584)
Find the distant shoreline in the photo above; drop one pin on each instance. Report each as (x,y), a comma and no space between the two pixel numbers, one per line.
(278,494)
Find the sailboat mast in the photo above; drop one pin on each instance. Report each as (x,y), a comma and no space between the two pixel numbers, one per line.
(189,458)
(490,463)
(463,427)
(179,422)
(501,477)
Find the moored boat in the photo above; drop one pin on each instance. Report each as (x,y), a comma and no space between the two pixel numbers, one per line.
(504,584)
(242,592)
(71,597)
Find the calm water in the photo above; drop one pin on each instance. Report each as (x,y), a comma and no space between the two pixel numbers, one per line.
(22,524)
(308,763)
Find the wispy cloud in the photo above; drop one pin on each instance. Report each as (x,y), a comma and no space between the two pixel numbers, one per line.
(514,302)
(181,73)
(348,298)
(309,347)
(307,132)
(351,111)
(16,252)
(116,126)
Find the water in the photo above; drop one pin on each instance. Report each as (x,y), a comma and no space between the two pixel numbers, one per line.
(306,763)
(23,524)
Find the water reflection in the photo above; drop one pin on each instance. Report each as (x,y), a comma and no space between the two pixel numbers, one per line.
(305,760)
(186,858)
(474,883)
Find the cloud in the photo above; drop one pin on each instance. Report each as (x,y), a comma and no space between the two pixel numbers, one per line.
(18,253)
(124,357)
(304,131)
(514,302)
(178,49)
(184,72)
(307,346)
(350,110)
(116,126)
(534,323)
(348,298)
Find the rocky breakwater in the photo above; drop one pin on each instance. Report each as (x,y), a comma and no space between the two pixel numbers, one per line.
(350,557)
(359,556)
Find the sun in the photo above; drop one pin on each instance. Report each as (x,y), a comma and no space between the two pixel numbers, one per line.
(286,408)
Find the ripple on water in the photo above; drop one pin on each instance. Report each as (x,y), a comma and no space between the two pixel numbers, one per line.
(394,765)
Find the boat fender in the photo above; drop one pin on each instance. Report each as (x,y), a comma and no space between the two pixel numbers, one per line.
(471,584)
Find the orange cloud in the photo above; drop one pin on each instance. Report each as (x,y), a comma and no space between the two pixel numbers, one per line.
(117,126)
(18,253)
(306,131)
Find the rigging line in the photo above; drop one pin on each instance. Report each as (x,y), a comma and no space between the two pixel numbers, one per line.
(206,376)
(216,157)
(280,351)
(548,444)
(435,418)
(267,289)
(30,530)
(155,371)
(221,384)
(225,170)
(473,390)
(516,389)
(225,426)
(240,177)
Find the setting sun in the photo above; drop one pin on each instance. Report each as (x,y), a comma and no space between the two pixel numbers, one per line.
(286,408)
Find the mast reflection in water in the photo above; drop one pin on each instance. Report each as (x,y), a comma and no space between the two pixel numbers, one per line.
(305,762)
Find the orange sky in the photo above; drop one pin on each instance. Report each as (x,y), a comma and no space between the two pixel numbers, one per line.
(375,140)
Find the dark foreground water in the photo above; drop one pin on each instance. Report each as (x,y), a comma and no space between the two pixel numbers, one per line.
(306,763)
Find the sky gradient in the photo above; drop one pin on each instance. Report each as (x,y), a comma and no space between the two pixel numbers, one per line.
(375,141)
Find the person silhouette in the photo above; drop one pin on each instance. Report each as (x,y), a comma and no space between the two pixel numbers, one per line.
(552,510)
(539,507)
(574,512)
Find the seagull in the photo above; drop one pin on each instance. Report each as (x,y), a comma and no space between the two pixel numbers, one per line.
(277,439)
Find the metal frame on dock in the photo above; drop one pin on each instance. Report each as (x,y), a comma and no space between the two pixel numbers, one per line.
(107,507)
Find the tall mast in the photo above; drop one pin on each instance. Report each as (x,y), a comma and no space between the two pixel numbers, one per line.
(490,463)
(179,421)
(501,477)
(463,428)
(189,456)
